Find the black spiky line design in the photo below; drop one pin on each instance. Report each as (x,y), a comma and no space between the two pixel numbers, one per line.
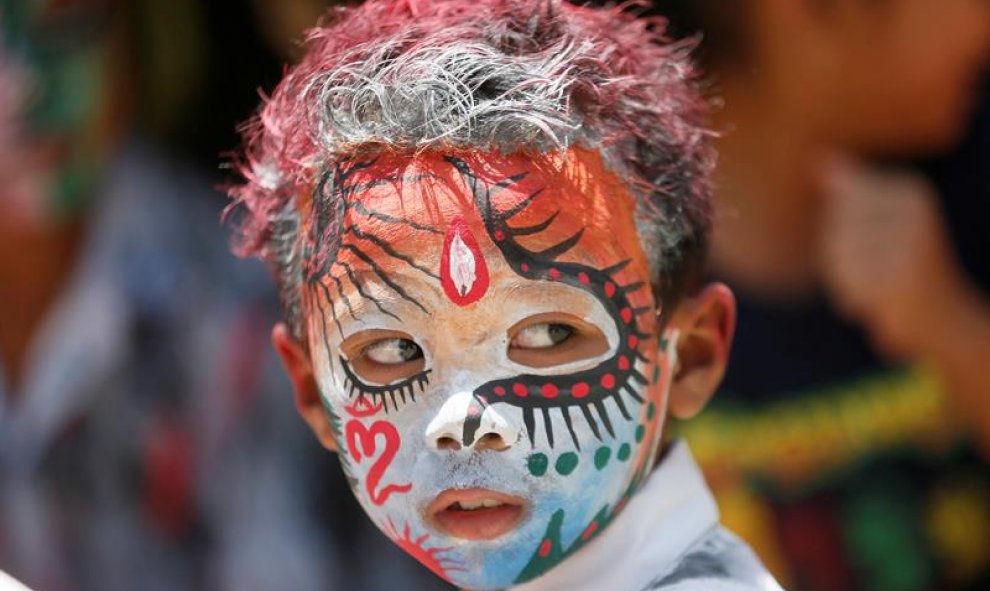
(335,196)
(584,392)
(395,393)
(607,381)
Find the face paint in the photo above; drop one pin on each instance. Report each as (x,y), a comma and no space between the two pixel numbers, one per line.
(483,333)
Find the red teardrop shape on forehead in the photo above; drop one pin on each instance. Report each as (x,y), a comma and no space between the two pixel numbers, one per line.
(463,272)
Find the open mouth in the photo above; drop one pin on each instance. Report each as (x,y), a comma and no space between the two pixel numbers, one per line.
(475,513)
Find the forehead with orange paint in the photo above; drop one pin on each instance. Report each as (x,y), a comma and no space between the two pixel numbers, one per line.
(450,217)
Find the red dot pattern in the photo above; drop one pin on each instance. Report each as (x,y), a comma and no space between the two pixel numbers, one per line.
(499,235)
(545,548)
(580,389)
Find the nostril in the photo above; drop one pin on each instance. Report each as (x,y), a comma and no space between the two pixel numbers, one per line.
(448,443)
(492,441)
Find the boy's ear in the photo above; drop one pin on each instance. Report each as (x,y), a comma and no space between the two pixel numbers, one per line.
(307,394)
(706,323)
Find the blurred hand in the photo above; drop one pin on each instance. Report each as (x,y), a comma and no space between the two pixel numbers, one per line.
(887,259)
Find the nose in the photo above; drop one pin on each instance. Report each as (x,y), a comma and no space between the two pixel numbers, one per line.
(464,421)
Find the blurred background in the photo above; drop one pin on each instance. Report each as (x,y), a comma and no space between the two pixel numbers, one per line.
(147,438)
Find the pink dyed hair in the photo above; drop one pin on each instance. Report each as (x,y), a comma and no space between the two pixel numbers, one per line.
(506,74)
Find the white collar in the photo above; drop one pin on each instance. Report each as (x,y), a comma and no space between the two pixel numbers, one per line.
(672,511)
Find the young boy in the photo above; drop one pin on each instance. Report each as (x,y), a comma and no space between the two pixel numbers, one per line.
(487,220)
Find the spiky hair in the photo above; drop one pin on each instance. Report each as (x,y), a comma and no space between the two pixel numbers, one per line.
(506,75)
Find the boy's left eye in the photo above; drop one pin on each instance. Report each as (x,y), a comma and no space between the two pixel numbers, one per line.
(393,351)
(550,339)
(541,336)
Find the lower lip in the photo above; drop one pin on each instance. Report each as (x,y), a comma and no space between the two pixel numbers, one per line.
(486,523)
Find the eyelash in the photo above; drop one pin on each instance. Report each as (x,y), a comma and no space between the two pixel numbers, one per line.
(395,393)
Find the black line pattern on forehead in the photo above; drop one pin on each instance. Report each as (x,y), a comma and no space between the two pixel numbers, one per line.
(595,392)
(330,232)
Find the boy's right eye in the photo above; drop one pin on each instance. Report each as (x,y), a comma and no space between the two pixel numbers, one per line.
(393,351)
(383,356)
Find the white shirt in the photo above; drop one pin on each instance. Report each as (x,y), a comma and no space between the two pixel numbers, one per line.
(667,538)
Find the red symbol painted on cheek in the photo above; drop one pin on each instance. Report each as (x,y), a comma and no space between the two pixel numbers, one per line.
(362,443)
(363,407)
(463,272)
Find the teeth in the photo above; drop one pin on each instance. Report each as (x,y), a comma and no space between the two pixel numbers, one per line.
(475,505)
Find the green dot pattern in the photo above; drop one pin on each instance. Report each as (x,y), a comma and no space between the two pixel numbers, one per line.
(650,411)
(624,452)
(538,464)
(602,456)
(566,463)
(640,433)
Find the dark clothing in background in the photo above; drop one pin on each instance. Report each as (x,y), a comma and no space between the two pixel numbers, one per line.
(843,471)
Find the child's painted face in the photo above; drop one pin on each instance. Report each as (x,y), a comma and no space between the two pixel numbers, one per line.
(484,336)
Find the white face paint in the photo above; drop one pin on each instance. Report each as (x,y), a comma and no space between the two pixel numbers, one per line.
(495,385)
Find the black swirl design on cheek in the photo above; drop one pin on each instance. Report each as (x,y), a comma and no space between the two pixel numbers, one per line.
(585,392)
(395,393)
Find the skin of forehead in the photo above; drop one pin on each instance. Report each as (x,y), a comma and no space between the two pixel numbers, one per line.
(426,189)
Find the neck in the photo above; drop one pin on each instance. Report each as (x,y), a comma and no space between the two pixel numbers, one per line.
(765,241)
(35,261)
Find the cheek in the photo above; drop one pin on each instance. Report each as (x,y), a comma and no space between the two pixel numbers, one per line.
(370,440)
(370,444)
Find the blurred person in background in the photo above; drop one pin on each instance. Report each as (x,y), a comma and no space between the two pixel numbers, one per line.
(144,443)
(850,441)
